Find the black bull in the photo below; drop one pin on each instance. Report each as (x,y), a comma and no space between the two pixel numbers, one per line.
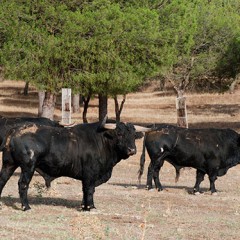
(210,151)
(6,124)
(87,152)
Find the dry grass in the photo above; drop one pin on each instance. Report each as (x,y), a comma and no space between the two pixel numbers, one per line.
(125,210)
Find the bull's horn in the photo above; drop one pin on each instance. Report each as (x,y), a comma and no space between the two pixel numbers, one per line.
(142,129)
(67,125)
(109,125)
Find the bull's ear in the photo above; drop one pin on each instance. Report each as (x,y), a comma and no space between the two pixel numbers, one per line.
(139,135)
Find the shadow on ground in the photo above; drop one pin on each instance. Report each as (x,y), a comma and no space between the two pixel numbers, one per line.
(49,201)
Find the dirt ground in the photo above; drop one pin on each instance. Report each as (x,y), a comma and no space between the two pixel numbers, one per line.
(125,210)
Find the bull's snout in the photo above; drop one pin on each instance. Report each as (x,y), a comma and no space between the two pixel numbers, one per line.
(131,151)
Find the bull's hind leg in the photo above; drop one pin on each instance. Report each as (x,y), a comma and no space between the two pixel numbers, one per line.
(199,178)
(23,185)
(153,174)
(156,178)
(149,177)
(212,179)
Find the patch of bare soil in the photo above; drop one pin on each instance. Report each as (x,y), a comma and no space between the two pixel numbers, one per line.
(125,210)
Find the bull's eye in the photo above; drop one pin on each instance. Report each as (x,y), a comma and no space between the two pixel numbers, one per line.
(120,135)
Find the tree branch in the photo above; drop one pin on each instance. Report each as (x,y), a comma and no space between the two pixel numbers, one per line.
(185,81)
(118,109)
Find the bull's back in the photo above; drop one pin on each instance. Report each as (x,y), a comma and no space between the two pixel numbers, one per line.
(205,147)
(73,153)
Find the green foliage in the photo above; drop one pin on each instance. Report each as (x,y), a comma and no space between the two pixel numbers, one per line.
(218,25)
(115,48)
(199,29)
(32,50)
(229,66)
(92,47)
(111,47)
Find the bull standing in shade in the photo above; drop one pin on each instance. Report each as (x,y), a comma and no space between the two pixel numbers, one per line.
(6,124)
(210,151)
(87,152)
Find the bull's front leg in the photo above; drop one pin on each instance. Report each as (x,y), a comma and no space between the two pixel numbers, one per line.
(8,168)
(87,202)
(5,174)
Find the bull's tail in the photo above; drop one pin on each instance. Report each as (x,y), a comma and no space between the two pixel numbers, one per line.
(142,161)
(177,175)
(5,138)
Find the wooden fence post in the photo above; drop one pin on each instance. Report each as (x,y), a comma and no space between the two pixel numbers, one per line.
(66,105)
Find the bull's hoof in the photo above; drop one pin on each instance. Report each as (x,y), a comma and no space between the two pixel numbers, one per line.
(26,208)
(149,188)
(86,208)
(159,189)
(196,193)
(94,210)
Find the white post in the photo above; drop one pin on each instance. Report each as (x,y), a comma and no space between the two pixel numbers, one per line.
(66,105)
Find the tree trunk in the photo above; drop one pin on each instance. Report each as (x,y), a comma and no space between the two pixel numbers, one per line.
(181,110)
(118,110)
(75,103)
(81,99)
(181,100)
(48,105)
(162,84)
(102,107)
(85,108)
(41,96)
(66,105)
(234,83)
(25,91)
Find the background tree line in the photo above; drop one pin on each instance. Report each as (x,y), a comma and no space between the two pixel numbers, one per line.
(108,48)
